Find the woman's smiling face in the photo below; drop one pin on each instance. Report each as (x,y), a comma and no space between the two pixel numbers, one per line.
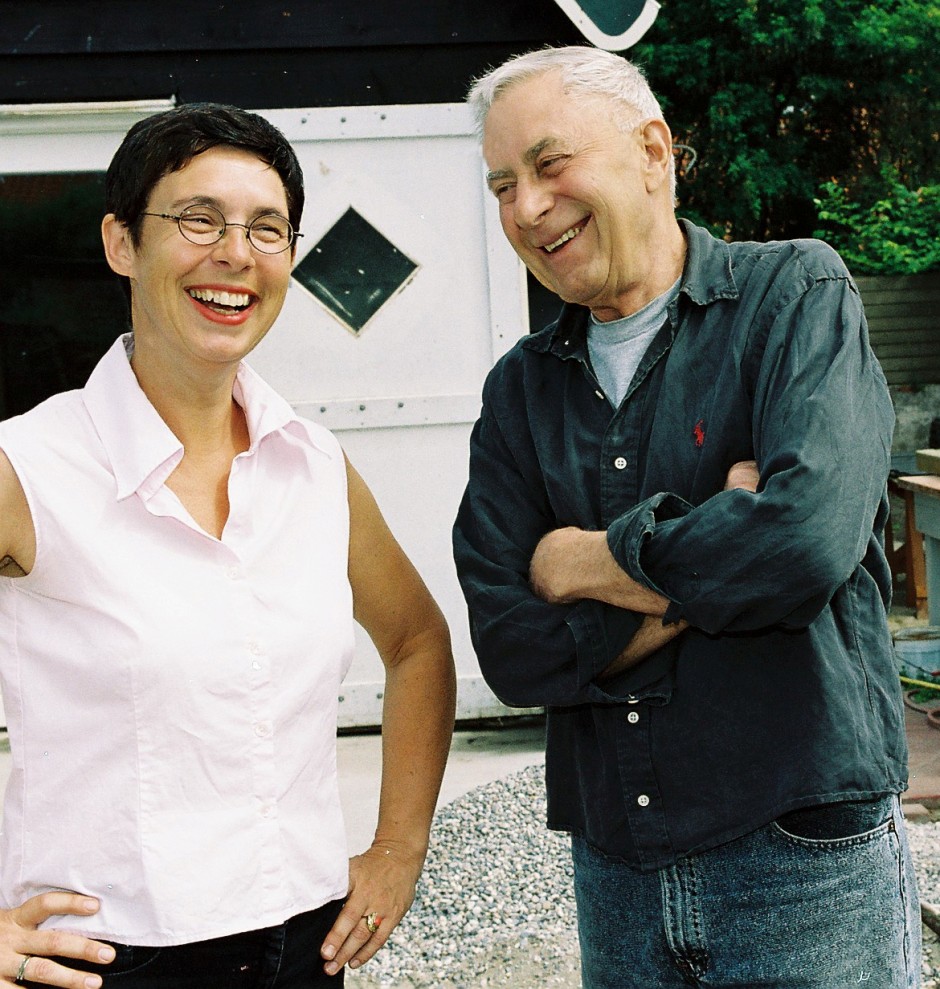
(206,303)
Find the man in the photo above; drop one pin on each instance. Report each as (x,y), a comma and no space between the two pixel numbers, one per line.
(182,561)
(724,722)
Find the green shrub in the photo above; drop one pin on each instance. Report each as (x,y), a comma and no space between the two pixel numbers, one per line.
(892,231)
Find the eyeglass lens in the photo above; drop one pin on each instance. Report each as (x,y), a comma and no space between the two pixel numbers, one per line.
(269,233)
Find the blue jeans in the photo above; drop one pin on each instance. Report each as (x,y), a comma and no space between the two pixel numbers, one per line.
(823,898)
(283,957)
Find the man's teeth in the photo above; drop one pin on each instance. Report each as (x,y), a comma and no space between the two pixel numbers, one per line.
(234,300)
(563,239)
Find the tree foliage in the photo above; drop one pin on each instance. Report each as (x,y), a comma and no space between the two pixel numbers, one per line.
(897,232)
(779,97)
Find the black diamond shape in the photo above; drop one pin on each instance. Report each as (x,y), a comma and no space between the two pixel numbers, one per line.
(354,270)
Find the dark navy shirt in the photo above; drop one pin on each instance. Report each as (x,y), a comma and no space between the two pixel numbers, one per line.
(783,693)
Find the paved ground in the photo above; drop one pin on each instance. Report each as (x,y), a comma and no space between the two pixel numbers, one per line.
(924,754)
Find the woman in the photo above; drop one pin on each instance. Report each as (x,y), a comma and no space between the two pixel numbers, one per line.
(184,558)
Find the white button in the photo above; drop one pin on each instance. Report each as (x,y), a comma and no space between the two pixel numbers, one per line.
(632,700)
(620,463)
(263,729)
(255,665)
(643,800)
(267,811)
(633,717)
(254,647)
(233,572)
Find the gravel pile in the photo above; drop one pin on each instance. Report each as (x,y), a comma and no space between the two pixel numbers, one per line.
(495,905)
(925,849)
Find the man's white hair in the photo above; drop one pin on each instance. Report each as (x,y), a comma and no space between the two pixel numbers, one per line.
(585,73)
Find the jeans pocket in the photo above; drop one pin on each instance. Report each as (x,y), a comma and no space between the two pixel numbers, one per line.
(128,959)
(836,823)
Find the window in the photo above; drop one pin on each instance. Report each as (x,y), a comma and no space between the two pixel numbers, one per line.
(354,270)
(62,304)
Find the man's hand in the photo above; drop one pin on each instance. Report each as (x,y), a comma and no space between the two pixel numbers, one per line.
(26,953)
(382,884)
(650,636)
(564,562)
(743,474)
(570,564)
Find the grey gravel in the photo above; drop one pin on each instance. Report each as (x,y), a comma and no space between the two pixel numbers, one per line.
(925,850)
(495,905)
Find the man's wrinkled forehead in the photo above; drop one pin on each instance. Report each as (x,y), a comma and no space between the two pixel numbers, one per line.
(523,121)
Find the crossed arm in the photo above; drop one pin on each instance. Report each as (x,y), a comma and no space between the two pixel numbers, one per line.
(570,564)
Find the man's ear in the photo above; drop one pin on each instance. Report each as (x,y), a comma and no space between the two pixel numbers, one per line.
(118,248)
(657,140)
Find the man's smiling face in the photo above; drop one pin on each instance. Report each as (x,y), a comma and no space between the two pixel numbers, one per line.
(573,191)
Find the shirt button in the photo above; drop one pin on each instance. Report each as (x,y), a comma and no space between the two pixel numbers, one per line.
(254,647)
(255,665)
(643,800)
(632,700)
(232,572)
(263,729)
(633,717)
(620,463)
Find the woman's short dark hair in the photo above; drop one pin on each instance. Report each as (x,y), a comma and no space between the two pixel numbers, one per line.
(168,141)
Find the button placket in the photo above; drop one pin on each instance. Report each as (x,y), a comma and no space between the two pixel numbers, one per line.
(642,799)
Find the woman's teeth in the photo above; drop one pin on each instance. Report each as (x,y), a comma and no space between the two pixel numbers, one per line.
(230,300)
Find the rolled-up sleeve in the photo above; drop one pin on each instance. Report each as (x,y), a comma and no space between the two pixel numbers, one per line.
(822,423)
(531,653)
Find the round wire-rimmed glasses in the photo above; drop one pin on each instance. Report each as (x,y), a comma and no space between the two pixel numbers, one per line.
(269,233)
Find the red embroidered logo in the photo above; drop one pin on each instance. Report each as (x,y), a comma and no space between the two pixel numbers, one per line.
(699,433)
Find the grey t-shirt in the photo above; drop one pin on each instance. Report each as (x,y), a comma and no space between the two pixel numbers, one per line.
(616,348)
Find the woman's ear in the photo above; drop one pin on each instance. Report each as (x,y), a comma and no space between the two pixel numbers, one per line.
(118,248)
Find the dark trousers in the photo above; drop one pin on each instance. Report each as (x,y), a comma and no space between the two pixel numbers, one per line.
(283,957)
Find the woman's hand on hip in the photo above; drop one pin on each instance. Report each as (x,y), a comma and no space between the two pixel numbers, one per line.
(26,952)
(382,885)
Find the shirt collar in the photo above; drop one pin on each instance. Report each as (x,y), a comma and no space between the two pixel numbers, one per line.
(138,443)
(140,447)
(706,278)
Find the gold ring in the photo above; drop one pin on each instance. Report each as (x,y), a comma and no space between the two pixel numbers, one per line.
(21,971)
(372,922)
